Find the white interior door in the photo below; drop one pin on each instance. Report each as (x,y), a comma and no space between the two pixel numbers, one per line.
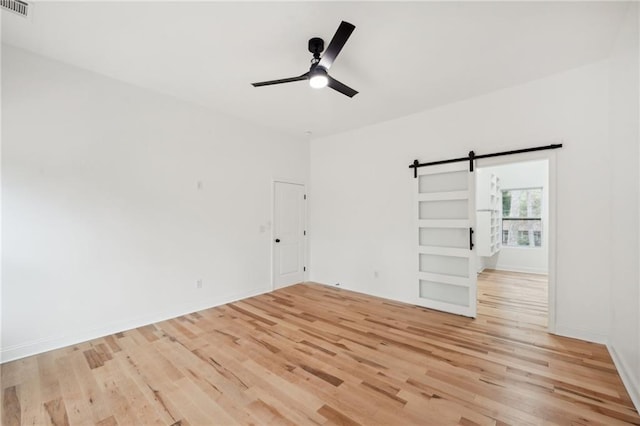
(446,259)
(288,234)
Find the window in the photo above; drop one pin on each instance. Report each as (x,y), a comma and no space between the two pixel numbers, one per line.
(522,217)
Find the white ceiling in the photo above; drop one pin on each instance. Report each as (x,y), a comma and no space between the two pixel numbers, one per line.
(402,57)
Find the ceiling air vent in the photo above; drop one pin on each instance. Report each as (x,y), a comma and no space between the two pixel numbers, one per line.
(16,6)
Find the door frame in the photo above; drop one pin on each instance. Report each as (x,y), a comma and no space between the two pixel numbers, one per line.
(551,157)
(272,228)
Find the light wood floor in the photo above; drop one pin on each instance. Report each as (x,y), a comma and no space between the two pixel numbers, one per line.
(310,354)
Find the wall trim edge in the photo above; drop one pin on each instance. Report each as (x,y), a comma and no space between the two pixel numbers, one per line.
(630,383)
(586,335)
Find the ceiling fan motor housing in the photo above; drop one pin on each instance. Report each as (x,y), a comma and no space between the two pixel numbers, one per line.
(316,46)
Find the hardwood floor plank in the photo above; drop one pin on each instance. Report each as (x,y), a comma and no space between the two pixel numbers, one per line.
(336,417)
(57,412)
(313,354)
(33,412)
(11,410)
(109,421)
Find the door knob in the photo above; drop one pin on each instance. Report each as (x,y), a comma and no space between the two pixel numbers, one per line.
(277,240)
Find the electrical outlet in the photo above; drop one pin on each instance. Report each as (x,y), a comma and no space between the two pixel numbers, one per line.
(376,274)
(199,283)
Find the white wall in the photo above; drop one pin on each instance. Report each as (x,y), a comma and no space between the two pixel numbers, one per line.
(104,227)
(362,212)
(530,174)
(624,71)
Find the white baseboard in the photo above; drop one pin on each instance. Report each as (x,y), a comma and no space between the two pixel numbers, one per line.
(575,333)
(630,382)
(35,347)
(524,269)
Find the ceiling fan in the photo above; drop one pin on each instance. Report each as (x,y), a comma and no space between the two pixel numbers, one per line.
(318,74)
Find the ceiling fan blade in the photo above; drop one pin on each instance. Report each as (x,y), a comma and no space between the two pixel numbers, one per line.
(304,76)
(337,43)
(342,88)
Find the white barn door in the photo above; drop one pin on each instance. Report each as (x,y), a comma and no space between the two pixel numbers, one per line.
(447,277)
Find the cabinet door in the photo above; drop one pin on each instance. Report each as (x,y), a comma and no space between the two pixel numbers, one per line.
(483,232)
(446,258)
(483,188)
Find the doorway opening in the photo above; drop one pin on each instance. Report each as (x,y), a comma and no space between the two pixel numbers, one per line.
(515,239)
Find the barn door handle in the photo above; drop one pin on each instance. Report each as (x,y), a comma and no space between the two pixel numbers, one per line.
(470,238)
(277,240)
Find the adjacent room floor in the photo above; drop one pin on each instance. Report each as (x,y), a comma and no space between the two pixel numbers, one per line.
(514,296)
(312,354)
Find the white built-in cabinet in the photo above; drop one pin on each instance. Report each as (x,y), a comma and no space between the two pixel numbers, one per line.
(488,213)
